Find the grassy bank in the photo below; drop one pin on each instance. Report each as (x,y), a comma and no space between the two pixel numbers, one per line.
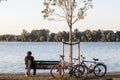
(114,76)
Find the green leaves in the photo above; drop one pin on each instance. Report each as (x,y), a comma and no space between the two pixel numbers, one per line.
(60,2)
(47,11)
(72,9)
(81,13)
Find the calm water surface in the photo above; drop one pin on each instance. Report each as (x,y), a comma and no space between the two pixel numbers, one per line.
(12,53)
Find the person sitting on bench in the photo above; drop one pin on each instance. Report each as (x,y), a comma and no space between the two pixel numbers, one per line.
(29,62)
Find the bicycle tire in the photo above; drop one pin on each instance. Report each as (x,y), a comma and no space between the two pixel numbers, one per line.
(79,71)
(56,71)
(100,70)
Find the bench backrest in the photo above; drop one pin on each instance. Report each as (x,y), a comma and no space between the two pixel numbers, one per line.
(44,64)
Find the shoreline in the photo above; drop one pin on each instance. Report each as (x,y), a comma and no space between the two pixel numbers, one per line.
(108,73)
(47,76)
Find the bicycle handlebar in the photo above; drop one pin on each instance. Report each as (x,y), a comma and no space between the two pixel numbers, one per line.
(74,59)
(62,56)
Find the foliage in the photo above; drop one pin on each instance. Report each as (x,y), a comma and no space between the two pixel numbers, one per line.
(46,35)
(69,10)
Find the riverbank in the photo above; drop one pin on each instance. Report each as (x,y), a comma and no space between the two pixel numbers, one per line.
(21,76)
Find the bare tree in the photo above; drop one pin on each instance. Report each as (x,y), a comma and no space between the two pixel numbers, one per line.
(69,10)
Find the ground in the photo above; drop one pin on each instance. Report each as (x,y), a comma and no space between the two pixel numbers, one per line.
(21,76)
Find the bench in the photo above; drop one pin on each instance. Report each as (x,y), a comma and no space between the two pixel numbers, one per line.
(39,64)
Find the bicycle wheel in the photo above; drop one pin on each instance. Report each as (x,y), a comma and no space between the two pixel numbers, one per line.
(79,71)
(100,70)
(56,71)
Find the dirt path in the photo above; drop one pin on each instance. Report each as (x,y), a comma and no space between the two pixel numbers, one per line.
(46,76)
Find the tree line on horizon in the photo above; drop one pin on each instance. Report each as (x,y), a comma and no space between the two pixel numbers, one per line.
(46,36)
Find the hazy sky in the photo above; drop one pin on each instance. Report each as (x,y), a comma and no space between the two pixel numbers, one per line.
(16,15)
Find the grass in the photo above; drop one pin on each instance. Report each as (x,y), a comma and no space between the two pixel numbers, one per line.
(114,76)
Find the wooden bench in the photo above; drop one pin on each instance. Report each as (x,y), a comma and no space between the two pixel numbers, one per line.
(38,64)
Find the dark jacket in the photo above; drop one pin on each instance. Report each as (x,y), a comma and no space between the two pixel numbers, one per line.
(32,61)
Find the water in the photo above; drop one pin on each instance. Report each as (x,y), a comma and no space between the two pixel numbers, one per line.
(12,53)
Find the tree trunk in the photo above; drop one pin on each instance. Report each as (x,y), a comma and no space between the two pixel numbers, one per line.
(70,48)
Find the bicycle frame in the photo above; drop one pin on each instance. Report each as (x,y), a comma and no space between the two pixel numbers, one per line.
(83,62)
(88,68)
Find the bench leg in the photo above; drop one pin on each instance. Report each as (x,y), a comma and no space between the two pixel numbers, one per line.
(34,71)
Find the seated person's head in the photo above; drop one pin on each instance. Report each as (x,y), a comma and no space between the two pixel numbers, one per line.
(29,53)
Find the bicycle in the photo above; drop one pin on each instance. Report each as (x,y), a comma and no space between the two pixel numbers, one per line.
(57,69)
(98,68)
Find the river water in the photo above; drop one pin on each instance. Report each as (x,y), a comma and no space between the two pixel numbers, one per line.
(12,53)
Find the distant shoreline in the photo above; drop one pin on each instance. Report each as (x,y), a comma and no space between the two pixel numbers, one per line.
(44,35)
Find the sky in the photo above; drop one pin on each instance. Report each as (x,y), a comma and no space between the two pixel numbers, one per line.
(16,15)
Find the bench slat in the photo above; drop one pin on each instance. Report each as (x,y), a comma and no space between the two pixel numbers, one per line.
(46,62)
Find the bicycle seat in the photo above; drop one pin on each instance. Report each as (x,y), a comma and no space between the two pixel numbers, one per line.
(95,59)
